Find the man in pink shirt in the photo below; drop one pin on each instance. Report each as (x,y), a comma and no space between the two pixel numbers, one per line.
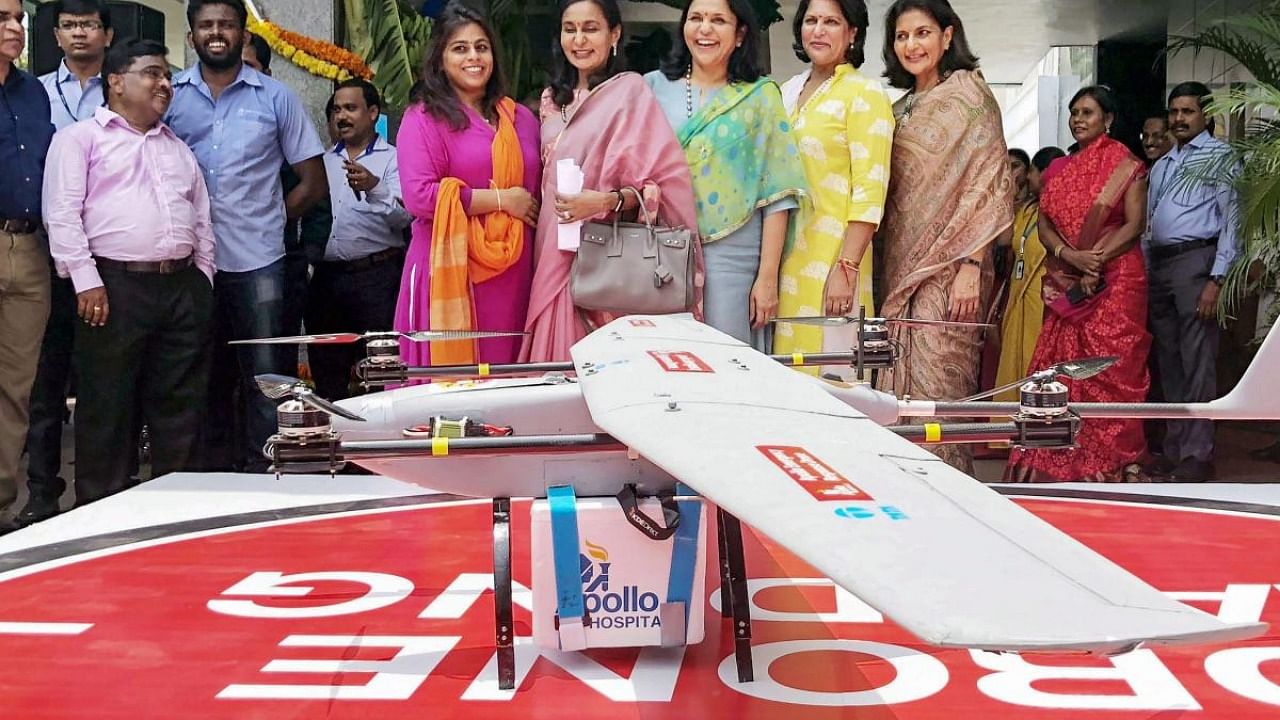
(128,218)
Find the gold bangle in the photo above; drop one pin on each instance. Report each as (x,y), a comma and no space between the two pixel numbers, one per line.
(1057,252)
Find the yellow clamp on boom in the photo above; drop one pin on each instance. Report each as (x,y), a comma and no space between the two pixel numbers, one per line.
(797,359)
(484,370)
(439,446)
(932,432)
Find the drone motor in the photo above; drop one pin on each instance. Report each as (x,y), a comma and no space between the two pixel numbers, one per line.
(383,351)
(875,335)
(296,419)
(1043,399)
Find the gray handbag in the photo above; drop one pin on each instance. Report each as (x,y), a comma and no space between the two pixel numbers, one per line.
(634,269)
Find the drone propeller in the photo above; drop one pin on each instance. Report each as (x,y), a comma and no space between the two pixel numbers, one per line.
(278,387)
(345,338)
(842,320)
(1078,369)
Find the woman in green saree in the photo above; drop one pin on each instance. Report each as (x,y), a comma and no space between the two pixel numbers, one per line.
(747,178)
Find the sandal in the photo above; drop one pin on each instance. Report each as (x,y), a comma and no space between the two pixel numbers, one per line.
(1133,473)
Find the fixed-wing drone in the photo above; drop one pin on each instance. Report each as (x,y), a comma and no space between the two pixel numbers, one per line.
(818,467)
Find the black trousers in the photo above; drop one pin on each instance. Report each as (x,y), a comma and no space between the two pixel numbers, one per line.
(49,396)
(344,297)
(152,356)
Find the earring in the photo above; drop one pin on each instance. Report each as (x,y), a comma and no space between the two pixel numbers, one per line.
(615,50)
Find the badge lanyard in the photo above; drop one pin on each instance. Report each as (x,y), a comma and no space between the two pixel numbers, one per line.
(1020,267)
(65,105)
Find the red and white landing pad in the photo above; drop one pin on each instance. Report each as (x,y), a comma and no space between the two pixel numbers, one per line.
(378,607)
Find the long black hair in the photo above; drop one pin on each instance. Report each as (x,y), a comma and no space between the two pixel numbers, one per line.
(564,76)
(855,14)
(956,57)
(744,63)
(434,90)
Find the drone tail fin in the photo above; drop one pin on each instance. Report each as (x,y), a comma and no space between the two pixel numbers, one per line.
(1256,396)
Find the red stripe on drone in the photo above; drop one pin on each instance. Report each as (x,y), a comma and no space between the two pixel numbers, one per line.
(821,480)
(642,322)
(680,362)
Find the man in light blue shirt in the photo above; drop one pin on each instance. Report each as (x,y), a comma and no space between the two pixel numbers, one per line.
(1191,244)
(83,31)
(356,286)
(243,126)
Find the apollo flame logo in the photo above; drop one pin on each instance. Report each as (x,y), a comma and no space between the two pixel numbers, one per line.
(590,581)
(628,607)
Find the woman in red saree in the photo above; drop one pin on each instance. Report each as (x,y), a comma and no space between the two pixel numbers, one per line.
(1092,211)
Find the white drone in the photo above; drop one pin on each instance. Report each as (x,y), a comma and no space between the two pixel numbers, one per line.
(656,400)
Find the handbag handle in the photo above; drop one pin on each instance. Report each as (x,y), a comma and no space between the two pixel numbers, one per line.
(644,210)
(661,274)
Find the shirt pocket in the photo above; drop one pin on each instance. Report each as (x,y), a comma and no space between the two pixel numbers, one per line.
(255,135)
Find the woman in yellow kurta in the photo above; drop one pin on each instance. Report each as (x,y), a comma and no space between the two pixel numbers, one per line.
(1024,314)
(842,124)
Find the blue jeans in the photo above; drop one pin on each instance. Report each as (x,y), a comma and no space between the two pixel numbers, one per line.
(249,305)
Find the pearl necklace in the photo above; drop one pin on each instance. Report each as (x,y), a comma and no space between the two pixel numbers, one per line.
(564,109)
(688,92)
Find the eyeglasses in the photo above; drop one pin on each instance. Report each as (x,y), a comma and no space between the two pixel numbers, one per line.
(151,73)
(73,25)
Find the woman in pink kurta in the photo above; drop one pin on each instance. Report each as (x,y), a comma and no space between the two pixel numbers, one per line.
(430,147)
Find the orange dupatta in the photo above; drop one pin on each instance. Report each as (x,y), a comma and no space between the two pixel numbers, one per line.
(467,250)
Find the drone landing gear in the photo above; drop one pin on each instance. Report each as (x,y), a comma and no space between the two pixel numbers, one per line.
(503,618)
(735,600)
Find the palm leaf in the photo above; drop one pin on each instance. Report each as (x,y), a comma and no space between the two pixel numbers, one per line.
(391,37)
(1251,39)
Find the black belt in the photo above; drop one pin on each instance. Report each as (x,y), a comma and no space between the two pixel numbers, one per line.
(1164,252)
(161,267)
(25,226)
(365,262)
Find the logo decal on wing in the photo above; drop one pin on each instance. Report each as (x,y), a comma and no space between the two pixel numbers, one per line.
(680,362)
(642,322)
(869,512)
(818,478)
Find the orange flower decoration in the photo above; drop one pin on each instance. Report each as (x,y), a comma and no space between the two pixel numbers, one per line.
(326,51)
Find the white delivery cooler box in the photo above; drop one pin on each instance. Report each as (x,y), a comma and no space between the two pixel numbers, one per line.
(625,576)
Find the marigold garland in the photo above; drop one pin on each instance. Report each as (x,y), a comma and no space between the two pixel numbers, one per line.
(315,56)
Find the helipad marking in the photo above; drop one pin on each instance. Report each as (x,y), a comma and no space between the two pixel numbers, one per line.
(43,628)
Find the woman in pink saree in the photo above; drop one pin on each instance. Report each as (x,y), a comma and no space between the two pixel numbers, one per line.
(611,125)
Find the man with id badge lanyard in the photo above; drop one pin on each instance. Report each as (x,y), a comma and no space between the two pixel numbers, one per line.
(82,29)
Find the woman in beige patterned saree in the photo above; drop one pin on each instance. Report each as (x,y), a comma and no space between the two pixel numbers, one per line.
(950,195)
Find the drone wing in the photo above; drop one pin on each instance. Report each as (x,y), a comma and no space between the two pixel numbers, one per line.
(930,547)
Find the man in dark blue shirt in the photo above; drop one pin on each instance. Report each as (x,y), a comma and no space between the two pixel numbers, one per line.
(25,131)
